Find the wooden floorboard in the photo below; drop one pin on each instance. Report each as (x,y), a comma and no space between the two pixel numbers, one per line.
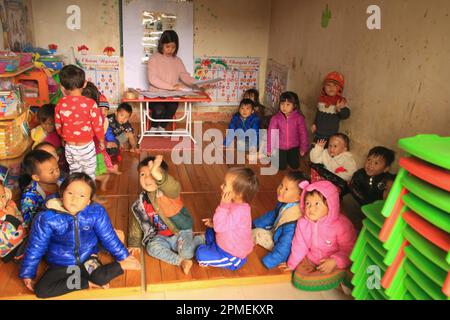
(201,194)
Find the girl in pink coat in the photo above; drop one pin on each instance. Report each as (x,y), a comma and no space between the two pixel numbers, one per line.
(323,240)
(292,139)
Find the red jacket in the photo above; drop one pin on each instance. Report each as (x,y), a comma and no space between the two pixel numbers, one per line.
(78,120)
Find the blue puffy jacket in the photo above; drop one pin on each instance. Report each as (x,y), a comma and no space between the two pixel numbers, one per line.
(68,240)
(251,123)
(282,237)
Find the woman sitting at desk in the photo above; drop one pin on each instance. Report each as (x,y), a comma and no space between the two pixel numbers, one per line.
(165,70)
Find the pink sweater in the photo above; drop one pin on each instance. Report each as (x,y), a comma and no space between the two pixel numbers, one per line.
(333,236)
(233,228)
(165,72)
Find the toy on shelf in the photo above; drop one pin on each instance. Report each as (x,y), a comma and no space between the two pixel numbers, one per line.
(52,48)
(415,234)
(83,49)
(36,87)
(109,51)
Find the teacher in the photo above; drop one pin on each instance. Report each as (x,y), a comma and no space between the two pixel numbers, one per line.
(166,71)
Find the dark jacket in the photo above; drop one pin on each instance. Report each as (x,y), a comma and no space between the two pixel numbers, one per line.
(366,189)
(283,232)
(68,240)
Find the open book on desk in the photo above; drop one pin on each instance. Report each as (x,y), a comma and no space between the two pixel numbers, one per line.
(169,93)
(208,81)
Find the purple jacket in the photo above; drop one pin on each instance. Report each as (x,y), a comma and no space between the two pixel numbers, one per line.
(292,132)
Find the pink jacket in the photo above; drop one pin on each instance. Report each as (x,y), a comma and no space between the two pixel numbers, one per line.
(165,72)
(292,132)
(233,228)
(332,236)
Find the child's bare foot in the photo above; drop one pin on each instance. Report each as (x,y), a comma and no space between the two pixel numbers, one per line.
(186,266)
(114,170)
(130,263)
(95,286)
(103,179)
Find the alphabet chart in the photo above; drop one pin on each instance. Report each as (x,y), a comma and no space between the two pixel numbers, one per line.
(103,71)
(239,74)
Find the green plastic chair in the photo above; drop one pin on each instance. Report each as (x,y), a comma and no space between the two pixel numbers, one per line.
(373,212)
(415,291)
(428,147)
(394,193)
(433,215)
(424,282)
(426,266)
(427,192)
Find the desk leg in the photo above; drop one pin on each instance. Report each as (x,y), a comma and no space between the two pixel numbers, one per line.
(189,121)
(143,121)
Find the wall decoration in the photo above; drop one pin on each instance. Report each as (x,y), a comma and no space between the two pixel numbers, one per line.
(17,29)
(154,24)
(239,74)
(326,16)
(275,84)
(103,71)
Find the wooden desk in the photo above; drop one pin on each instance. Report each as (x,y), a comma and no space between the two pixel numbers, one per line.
(144,108)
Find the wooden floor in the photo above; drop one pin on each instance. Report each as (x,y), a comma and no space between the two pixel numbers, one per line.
(201,195)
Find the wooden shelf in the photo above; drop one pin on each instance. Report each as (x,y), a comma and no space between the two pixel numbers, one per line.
(17,72)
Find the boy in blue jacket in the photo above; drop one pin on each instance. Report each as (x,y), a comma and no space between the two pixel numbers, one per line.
(67,233)
(275,230)
(244,123)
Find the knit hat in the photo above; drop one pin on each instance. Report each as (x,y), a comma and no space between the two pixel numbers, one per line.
(336,78)
(328,190)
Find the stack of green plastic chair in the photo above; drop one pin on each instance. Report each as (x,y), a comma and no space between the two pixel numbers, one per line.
(409,239)
(367,256)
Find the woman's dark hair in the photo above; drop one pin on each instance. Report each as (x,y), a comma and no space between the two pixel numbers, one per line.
(91,91)
(78,176)
(168,36)
(47,111)
(145,162)
(30,166)
(291,97)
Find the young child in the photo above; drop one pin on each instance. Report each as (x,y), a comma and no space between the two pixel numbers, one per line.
(40,182)
(160,222)
(336,159)
(104,163)
(293,135)
(120,130)
(260,109)
(331,109)
(68,233)
(50,148)
(247,121)
(275,229)
(77,121)
(374,181)
(12,232)
(229,233)
(323,239)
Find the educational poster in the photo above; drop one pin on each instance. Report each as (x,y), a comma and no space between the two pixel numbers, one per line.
(155,23)
(238,74)
(276,83)
(103,71)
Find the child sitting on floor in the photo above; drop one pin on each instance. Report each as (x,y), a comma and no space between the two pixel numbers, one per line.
(374,181)
(12,232)
(40,182)
(275,229)
(68,233)
(46,146)
(160,222)
(331,109)
(229,233)
(293,135)
(335,163)
(120,131)
(244,125)
(323,240)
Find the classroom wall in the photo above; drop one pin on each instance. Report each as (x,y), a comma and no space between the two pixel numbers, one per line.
(396,77)
(99,25)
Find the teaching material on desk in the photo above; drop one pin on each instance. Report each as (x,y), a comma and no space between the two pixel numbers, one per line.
(167,93)
(205,82)
(275,84)
(135,72)
(239,74)
(103,71)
